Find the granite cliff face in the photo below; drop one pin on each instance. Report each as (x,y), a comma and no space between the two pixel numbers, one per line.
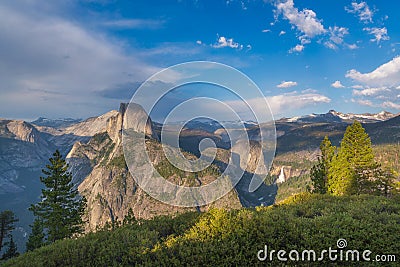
(100,170)
(22,147)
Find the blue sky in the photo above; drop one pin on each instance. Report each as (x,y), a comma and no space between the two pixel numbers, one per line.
(81,58)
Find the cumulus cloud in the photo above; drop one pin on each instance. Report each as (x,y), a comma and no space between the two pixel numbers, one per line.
(280,104)
(309,26)
(380,34)
(286,102)
(337,84)
(387,74)
(298,48)
(379,85)
(305,21)
(337,34)
(286,84)
(370,91)
(227,42)
(282,33)
(389,104)
(365,102)
(361,10)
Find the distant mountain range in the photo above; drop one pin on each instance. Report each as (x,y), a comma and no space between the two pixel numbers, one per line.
(55,123)
(335,116)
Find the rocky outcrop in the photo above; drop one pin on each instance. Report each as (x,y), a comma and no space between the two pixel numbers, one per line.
(251,156)
(23,131)
(22,147)
(107,183)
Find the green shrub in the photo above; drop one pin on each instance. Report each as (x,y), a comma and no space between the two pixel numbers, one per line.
(233,238)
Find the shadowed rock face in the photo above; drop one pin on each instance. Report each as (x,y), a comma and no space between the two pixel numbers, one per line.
(139,121)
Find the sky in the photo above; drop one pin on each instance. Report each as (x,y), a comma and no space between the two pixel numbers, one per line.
(81,58)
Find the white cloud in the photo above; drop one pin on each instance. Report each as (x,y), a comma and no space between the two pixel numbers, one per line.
(337,84)
(389,104)
(361,10)
(380,34)
(308,26)
(291,102)
(286,84)
(330,45)
(352,46)
(305,21)
(266,30)
(227,42)
(309,90)
(135,23)
(279,104)
(380,84)
(298,48)
(337,34)
(364,102)
(370,91)
(387,74)
(282,33)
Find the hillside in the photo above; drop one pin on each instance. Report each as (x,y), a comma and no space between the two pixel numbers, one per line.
(296,167)
(220,237)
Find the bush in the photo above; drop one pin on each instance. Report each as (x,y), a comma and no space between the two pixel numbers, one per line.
(232,238)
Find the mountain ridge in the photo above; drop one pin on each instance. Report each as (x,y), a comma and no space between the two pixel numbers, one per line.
(336,116)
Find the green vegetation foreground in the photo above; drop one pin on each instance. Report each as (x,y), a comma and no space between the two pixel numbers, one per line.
(221,238)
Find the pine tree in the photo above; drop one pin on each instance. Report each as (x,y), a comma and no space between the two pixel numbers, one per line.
(7,225)
(61,208)
(319,172)
(129,218)
(352,168)
(11,251)
(36,238)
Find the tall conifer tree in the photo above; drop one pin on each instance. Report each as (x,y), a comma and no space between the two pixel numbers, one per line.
(319,172)
(354,164)
(61,207)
